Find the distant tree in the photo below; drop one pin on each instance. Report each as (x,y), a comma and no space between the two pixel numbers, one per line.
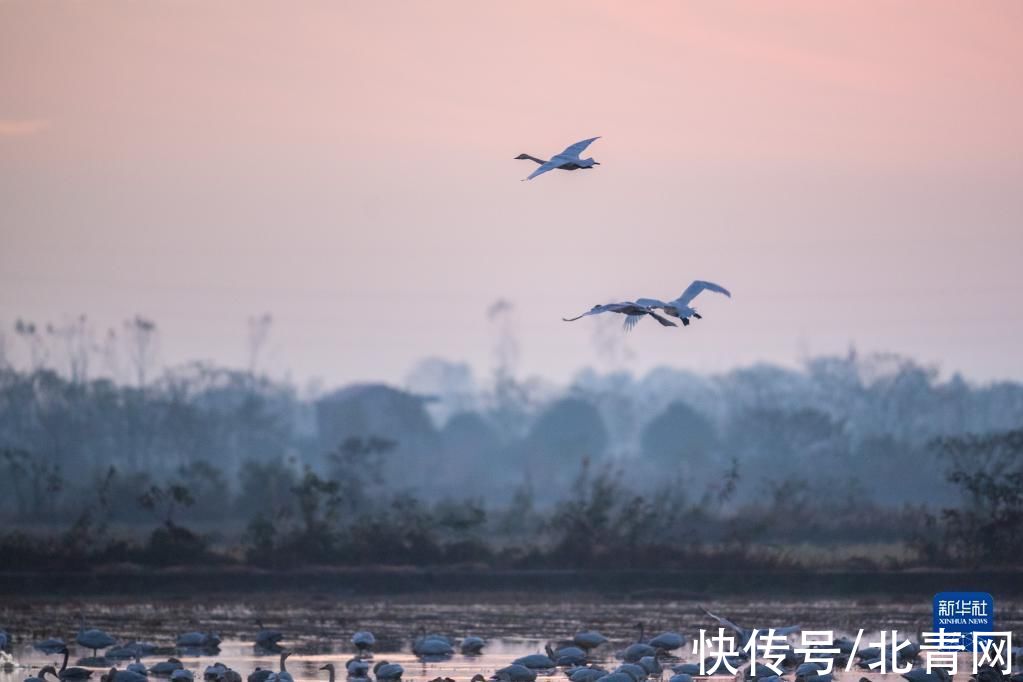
(33,339)
(76,338)
(34,481)
(567,433)
(258,333)
(357,466)
(88,532)
(165,501)
(987,528)
(141,339)
(318,502)
(681,439)
(265,487)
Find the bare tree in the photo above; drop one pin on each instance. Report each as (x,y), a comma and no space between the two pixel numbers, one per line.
(75,335)
(38,353)
(259,332)
(501,314)
(510,397)
(141,341)
(108,352)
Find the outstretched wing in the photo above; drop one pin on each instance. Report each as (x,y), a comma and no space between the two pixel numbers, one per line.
(663,320)
(595,310)
(725,622)
(578,148)
(550,165)
(699,285)
(788,630)
(633,318)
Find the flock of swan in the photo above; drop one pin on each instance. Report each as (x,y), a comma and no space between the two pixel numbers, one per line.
(644,660)
(634,311)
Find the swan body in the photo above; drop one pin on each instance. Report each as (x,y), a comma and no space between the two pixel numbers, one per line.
(587,674)
(617,677)
(138,667)
(668,641)
(198,640)
(567,656)
(535,662)
(116,675)
(432,645)
(357,668)
(94,639)
(166,668)
(633,670)
(515,673)
(281,675)
(651,665)
(364,640)
(73,673)
(41,677)
(637,651)
(268,639)
(388,671)
(589,639)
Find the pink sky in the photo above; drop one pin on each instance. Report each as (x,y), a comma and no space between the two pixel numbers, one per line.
(852,171)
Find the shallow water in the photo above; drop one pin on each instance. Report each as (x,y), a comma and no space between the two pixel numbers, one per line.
(317,629)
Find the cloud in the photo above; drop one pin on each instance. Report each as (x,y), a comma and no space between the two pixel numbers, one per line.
(21,127)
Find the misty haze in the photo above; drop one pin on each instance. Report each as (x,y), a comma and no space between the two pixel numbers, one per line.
(461,341)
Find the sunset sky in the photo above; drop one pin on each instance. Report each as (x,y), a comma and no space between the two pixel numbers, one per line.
(852,171)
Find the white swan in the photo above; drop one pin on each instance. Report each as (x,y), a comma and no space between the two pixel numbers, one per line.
(94,639)
(282,675)
(566,160)
(589,639)
(41,677)
(633,313)
(680,307)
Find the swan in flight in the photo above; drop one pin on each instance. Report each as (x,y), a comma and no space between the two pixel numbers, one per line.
(680,307)
(566,160)
(745,634)
(633,313)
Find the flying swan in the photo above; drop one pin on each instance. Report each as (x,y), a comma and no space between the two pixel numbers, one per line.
(566,160)
(633,313)
(680,307)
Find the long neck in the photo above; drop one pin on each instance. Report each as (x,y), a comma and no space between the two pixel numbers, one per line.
(331,671)
(283,658)
(63,666)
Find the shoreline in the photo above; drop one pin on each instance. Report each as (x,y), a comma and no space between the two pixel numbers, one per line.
(673,584)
